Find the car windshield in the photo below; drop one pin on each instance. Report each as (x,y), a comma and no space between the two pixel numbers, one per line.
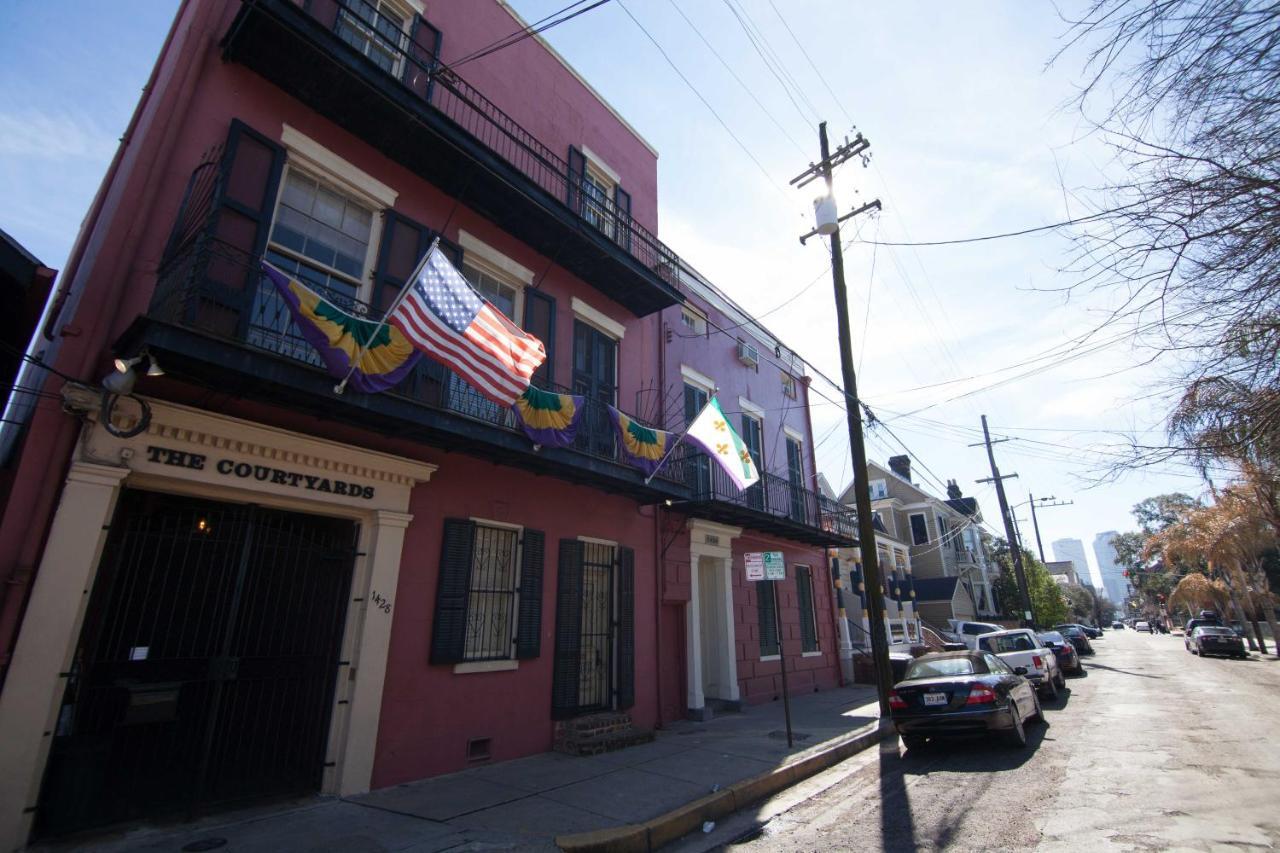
(940,668)
(1001,644)
(1215,631)
(1052,637)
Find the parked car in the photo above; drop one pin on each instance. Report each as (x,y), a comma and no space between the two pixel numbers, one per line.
(1020,647)
(1205,618)
(1214,640)
(1068,657)
(1143,626)
(962,693)
(968,632)
(1089,631)
(1077,637)
(1117,626)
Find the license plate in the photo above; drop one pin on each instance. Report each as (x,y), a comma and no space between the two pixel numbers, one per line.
(935,698)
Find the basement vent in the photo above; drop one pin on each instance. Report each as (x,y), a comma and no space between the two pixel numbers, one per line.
(478,749)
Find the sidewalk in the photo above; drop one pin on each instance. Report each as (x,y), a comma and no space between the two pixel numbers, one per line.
(525,804)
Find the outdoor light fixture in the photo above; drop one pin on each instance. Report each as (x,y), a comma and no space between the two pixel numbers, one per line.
(120,382)
(124,365)
(154,368)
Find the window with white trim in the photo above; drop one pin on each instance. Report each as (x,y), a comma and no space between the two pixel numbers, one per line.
(789,385)
(379,29)
(323,236)
(499,288)
(919,529)
(692,322)
(597,196)
(492,595)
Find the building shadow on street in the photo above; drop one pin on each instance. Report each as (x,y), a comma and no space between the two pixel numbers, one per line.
(1124,671)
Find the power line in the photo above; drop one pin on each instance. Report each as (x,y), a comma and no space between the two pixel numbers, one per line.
(821,78)
(526,32)
(705,102)
(1093,217)
(772,65)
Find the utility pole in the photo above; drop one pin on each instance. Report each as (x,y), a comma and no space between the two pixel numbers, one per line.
(861,489)
(1044,502)
(1015,549)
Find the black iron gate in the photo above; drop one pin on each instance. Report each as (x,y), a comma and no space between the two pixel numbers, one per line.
(596,669)
(206,667)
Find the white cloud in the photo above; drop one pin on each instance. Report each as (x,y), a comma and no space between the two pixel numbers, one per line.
(53,136)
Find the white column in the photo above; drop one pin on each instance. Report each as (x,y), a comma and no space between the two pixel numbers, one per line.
(693,639)
(47,641)
(729,661)
(370,658)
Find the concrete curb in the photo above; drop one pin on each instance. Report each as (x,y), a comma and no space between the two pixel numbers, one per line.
(666,828)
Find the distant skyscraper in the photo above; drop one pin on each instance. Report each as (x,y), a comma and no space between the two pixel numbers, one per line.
(1113,579)
(1073,550)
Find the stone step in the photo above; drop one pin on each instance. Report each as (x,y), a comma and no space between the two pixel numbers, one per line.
(602,743)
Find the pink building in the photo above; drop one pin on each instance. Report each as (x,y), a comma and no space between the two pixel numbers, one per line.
(237,584)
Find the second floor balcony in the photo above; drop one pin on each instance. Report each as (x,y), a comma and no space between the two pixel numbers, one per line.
(379,78)
(209,331)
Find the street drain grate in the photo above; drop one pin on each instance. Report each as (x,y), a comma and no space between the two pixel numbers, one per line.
(782,735)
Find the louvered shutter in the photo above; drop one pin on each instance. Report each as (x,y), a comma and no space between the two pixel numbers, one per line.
(767,606)
(245,200)
(540,321)
(529,621)
(577,169)
(626,628)
(565,669)
(449,628)
(424,57)
(622,204)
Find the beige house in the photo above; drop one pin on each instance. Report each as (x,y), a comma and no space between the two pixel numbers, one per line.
(942,539)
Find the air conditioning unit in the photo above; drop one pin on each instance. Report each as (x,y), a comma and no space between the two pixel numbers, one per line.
(747,354)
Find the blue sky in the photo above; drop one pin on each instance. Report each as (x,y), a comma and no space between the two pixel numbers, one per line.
(970,135)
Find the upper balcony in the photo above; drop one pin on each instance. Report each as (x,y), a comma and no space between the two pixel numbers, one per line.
(348,62)
(207,329)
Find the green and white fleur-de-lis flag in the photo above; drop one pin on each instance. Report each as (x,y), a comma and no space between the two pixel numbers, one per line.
(711,431)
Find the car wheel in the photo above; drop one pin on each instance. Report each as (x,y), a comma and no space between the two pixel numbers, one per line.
(913,742)
(1038,716)
(1050,688)
(1195,651)
(1061,680)
(1016,736)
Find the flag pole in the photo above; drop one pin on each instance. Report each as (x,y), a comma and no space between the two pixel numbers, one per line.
(675,443)
(408,283)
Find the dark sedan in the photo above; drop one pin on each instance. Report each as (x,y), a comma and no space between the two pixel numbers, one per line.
(962,693)
(1068,657)
(1214,640)
(1076,635)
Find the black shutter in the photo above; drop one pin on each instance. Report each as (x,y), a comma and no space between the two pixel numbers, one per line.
(540,321)
(529,625)
(767,606)
(449,628)
(622,204)
(424,58)
(577,169)
(404,242)
(245,200)
(808,615)
(564,672)
(626,628)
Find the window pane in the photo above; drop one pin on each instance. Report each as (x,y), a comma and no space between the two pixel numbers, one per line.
(491,600)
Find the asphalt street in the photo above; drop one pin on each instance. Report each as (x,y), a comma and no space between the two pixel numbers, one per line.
(1154,749)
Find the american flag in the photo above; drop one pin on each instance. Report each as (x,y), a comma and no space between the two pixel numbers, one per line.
(442,315)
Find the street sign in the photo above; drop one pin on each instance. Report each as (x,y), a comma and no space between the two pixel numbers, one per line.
(765,566)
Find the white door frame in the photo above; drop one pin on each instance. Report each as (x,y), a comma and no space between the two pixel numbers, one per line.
(715,541)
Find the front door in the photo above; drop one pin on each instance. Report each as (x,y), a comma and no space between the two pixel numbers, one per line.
(795,479)
(713,630)
(595,366)
(206,666)
(751,437)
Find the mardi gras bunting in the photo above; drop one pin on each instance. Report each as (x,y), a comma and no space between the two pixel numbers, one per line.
(380,354)
(548,419)
(641,446)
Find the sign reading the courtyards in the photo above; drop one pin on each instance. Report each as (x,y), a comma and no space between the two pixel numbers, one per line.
(261,473)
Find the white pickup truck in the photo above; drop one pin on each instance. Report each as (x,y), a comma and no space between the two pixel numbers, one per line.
(1021,647)
(968,632)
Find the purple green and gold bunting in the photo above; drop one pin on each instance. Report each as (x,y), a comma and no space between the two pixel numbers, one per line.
(381,355)
(548,419)
(641,446)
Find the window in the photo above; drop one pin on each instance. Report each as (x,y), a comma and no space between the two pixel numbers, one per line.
(994,664)
(879,489)
(692,323)
(808,616)
(488,604)
(789,385)
(322,236)
(919,529)
(596,191)
(752,431)
(491,596)
(377,29)
(768,610)
(504,295)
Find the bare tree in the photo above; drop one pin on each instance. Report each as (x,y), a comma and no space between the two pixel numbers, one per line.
(1190,234)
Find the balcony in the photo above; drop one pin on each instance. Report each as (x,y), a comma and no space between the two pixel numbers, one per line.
(244,343)
(391,91)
